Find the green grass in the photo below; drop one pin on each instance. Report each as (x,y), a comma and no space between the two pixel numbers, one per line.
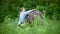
(46,26)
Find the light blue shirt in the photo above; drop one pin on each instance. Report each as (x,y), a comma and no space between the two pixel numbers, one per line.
(23,16)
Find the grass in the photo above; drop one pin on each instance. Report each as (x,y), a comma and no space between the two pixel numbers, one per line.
(46,26)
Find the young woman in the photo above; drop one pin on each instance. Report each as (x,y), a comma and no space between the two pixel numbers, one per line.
(23,15)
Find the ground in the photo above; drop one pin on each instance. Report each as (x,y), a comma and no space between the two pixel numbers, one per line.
(10,26)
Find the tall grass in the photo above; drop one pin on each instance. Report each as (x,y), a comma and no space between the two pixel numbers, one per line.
(45,26)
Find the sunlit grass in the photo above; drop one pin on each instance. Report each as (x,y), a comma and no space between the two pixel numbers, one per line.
(46,26)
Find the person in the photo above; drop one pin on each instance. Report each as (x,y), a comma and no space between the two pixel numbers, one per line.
(23,15)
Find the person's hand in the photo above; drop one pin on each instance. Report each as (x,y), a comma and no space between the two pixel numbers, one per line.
(33,10)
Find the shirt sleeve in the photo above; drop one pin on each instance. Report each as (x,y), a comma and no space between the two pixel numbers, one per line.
(28,12)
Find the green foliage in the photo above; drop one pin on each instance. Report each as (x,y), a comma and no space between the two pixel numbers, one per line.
(46,26)
(11,7)
(9,13)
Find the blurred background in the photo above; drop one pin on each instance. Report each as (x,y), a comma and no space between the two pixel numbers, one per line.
(9,15)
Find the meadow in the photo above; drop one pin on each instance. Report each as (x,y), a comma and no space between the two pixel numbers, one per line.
(45,26)
(9,17)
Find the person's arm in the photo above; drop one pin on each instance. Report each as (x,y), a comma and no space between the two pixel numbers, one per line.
(21,18)
(28,12)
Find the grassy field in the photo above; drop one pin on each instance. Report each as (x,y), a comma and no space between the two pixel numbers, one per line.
(46,26)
